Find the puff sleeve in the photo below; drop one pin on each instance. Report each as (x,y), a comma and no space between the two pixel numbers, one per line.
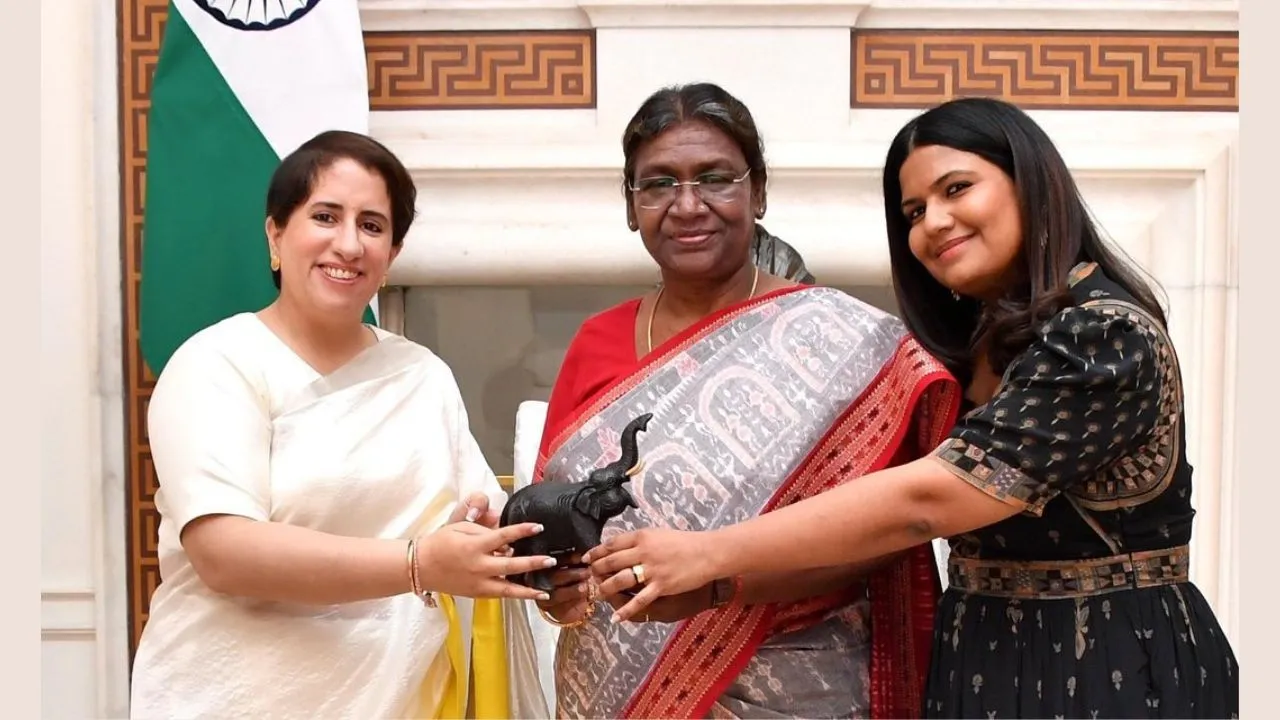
(1084,394)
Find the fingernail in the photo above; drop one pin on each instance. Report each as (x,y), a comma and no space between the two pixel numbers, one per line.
(549,562)
(472,514)
(615,619)
(544,597)
(537,528)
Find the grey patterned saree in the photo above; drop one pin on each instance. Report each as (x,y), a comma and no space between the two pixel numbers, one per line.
(760,405)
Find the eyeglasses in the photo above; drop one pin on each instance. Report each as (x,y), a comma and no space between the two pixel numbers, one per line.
(655,193)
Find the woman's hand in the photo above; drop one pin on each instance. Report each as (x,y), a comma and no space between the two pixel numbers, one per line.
(569,601)
(465,559)
(669,609)
(475,509)
(672,562)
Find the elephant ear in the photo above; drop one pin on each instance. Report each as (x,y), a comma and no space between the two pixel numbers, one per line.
(588,502)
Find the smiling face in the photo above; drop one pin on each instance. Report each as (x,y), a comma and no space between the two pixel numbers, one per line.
(691,238)
(966,228)
(336,247)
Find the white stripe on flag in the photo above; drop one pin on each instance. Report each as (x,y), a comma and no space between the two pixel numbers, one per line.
(295,81)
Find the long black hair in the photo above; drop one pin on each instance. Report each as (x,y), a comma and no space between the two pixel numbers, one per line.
(1057,233)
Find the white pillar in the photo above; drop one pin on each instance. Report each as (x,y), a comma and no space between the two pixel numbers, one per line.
(83,623)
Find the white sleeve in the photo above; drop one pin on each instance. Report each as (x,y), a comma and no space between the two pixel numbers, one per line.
(210,439)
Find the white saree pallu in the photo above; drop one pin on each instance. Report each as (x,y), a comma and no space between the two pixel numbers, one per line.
(379,448)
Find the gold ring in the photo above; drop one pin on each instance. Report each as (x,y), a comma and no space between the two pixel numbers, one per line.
(638,571)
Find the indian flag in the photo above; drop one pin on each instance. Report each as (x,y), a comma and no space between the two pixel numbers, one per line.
(239,84)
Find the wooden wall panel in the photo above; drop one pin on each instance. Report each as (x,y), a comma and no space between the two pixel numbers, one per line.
(141,24)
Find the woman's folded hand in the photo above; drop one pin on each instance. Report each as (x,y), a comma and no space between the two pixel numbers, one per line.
(569,601)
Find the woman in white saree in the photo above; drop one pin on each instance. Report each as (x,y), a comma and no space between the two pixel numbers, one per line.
(322,500)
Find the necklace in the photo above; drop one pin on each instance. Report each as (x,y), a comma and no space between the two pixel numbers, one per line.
(654,310)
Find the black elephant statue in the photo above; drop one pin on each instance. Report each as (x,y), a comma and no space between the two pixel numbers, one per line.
(573,514)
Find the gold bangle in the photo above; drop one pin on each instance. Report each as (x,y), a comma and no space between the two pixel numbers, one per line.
(568,626)
(410,559)
(428,598)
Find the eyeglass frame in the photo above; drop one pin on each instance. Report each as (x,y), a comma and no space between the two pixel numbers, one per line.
(677,184)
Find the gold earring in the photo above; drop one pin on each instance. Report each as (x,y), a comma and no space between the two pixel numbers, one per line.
(275,263)
(384,281)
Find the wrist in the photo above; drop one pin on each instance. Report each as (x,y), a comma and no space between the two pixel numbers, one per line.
(719,555)
(725,585)
(418,584)
(557,612)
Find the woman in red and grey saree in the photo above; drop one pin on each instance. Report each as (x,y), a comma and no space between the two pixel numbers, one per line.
(774,394)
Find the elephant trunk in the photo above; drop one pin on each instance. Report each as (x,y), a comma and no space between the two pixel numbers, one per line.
(630,451)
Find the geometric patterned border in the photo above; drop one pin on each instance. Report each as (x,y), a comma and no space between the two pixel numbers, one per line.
(141,23)
(1081,70)
(479,71)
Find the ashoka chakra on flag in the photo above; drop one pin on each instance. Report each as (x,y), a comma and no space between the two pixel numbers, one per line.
(256,14)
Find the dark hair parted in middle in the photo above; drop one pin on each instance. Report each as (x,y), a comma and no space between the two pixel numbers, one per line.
(1057,233)
(706,102)
(295,178)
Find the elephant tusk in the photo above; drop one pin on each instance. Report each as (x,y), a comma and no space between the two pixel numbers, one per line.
(635,469)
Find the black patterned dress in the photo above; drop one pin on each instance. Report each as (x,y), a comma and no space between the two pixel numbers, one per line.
(1080,606)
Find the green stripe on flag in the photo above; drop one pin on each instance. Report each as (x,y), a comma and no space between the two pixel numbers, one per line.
(204,251)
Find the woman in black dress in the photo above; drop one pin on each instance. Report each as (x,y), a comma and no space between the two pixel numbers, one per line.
(1065,488)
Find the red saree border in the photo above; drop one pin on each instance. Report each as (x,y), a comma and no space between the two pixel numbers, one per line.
(909,590)
(708,651)
(649,364)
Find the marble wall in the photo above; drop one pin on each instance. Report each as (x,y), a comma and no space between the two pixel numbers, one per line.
(83,596)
